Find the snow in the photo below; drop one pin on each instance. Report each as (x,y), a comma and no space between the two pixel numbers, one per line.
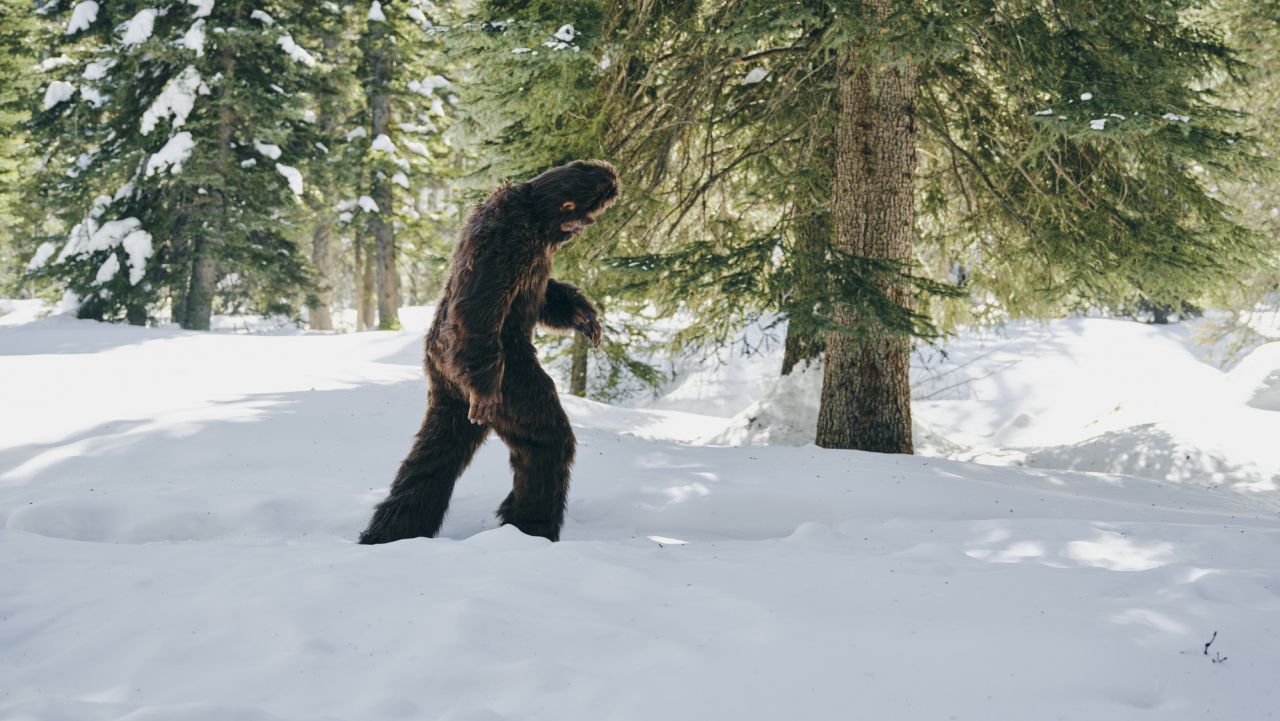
(53,63)
(88,237)
(1086,96)
(383,144)
(566,33)
(401,179)
(108,269)
(267,149)
(176,100)
(295,51)
(170,157)
(97,69)
(1087,394)
(756,75)
(202,8)
(417,148)
(137,245)
(375,13)
(356,132)
(292,175)
(193,39)
(368,205)
(429,84)
(1176,117)
(262,17)
(1098,124)
(176,525)
(57,92)
(137,29)
(82,16)
(41,256)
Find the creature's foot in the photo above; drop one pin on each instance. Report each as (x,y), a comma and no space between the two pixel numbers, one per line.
(544,522)
(398,518)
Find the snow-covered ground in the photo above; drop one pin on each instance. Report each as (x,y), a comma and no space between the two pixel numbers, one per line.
(177,513)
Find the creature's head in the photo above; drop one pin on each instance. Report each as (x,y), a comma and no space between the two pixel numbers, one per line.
(571,197)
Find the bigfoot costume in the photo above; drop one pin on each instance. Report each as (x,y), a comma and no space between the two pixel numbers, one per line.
(480,360)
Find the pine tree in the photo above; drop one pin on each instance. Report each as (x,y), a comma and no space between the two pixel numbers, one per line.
(17,84)
(170,138)
(1063,154)
(385,158)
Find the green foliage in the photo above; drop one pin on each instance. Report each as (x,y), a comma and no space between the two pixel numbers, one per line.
(223,86)
(17,86)
(1069,158)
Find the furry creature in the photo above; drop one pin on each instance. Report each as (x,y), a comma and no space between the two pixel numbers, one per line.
(481,363)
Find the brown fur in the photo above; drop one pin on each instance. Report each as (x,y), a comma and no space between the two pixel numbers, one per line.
(481,363)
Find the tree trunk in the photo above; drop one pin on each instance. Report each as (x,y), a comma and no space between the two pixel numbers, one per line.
(388,278)
(380,57)
(319,315)
(578,370)
(198,301)
(204,277)
(178,293)
(136,314)
(364,285)
(866,395)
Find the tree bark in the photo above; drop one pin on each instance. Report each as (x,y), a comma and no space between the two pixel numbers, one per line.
(204,278)
(578,369)
(198,301)
(387,276)
(365,308)
(866,395)
(380,58)
(319,316)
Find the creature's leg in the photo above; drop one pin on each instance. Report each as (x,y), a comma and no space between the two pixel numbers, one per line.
(535,428)
(420,493)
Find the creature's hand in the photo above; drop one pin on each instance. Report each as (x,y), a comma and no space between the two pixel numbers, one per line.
(484,408)
(585,321)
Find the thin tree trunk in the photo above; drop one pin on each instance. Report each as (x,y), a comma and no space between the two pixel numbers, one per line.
(380,56)
(178,293)
(198,303)
(578,369)
(365,308)
(204,277)
(319,316)
(866,397)
(135,314)
(387,277)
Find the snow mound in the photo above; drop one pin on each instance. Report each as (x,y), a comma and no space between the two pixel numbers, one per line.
(1082,394)
(1257,378)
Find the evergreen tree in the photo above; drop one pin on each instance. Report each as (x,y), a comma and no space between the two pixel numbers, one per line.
(405,111)
(1063,149)
(17,84)
(169,133)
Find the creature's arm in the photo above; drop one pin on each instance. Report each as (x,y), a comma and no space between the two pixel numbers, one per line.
(480,309)
(567,308)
